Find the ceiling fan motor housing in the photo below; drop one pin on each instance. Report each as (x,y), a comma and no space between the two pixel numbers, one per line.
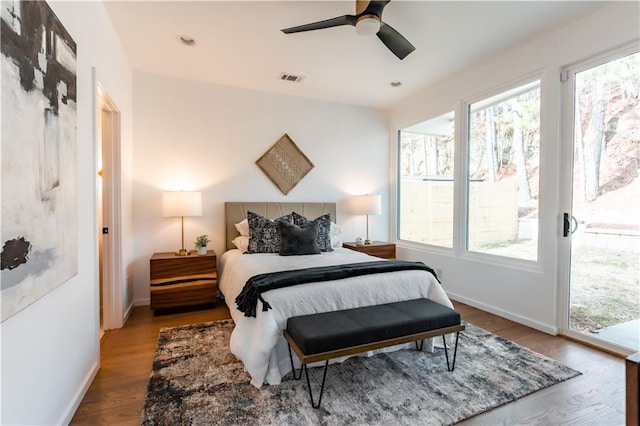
(367,7)
(368,15)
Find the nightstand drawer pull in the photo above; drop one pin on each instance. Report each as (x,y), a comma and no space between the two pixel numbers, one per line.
(184,279)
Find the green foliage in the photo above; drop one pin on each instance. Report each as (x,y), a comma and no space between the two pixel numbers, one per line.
(202,241)
(492,130)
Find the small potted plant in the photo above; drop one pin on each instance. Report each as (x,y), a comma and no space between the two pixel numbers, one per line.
(201,244)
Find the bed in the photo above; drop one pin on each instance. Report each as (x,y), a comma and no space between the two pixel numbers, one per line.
(258,341)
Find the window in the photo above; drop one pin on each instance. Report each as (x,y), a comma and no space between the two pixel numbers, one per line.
(502,176)
(425,202)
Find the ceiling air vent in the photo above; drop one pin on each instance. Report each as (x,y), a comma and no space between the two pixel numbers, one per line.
(290,77)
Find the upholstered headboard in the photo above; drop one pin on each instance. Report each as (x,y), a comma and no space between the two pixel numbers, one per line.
(236,211)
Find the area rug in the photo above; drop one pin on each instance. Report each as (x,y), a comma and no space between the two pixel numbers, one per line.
(197,381)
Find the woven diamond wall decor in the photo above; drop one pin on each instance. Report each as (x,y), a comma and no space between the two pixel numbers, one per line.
(285,164)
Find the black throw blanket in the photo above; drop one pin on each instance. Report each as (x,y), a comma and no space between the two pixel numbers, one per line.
(247,300)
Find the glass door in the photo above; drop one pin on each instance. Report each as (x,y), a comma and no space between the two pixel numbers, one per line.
(603,224)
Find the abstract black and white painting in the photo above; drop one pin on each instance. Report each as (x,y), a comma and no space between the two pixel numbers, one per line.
(38,213)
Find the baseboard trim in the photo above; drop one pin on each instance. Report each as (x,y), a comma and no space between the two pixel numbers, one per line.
(142,302)
(128,313)
(506,314)
(80,394)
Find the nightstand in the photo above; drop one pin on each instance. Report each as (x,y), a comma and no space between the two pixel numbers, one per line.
(376,248)
(178,281)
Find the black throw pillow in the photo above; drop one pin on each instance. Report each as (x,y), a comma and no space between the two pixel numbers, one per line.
(298,240)
(264,236)
(324,229)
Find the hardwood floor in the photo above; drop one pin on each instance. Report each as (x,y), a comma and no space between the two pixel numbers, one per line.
(597,397)
(117,393)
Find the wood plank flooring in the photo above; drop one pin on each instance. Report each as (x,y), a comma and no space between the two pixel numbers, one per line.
(597,397)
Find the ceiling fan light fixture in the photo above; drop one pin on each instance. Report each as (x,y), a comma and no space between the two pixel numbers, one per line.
(368,25)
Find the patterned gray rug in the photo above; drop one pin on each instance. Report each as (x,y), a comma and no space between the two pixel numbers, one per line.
(196,380)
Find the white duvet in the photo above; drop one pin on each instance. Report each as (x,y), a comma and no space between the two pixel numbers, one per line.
(259,343)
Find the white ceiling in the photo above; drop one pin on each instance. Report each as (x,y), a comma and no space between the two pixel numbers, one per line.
(239,43)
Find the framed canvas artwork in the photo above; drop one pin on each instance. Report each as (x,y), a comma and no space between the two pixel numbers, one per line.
(38,155)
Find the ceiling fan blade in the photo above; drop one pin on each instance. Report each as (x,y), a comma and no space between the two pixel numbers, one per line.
(399,45)
(327,23)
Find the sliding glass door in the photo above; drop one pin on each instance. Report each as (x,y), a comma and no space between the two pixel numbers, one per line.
(602,226)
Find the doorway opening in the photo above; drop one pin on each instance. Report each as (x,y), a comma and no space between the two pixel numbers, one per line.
(108,211)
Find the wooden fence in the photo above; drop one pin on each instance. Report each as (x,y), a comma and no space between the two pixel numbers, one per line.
(427,212)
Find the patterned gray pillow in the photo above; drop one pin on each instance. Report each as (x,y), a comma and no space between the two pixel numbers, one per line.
(324,229)
(264,236)
(298,240)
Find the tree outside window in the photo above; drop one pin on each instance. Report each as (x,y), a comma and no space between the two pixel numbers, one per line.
(503,173)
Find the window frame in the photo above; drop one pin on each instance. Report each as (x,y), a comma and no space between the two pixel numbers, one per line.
(461,109)
(462,248)
(398,191)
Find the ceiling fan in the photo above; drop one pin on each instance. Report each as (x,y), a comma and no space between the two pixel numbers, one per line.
(368,21)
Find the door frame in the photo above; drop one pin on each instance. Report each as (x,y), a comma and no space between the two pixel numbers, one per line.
(107,116)
(567,77)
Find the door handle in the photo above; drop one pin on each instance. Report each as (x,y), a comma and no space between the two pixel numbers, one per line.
(567,228)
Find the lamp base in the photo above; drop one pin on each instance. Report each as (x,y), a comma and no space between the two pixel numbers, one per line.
(182,252)
(367,242)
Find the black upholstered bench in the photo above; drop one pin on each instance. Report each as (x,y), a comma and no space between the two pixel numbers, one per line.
(327,335)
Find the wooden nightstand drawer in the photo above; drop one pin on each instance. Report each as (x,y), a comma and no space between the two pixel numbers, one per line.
(376,248)
(177,281)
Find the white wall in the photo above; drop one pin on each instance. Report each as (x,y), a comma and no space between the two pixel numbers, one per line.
(50,350)
(525,294)
(193,136)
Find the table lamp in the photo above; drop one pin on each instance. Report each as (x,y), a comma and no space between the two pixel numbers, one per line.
(366,205)
(181,204)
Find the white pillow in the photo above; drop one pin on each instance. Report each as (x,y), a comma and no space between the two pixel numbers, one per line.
(335,230)
(335,242)
(243,228)
(242,242)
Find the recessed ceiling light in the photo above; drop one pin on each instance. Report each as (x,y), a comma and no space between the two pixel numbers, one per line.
(396,83)
(186,40)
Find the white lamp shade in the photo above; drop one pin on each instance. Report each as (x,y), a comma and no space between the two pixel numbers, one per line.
(181,203)
(366,204)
